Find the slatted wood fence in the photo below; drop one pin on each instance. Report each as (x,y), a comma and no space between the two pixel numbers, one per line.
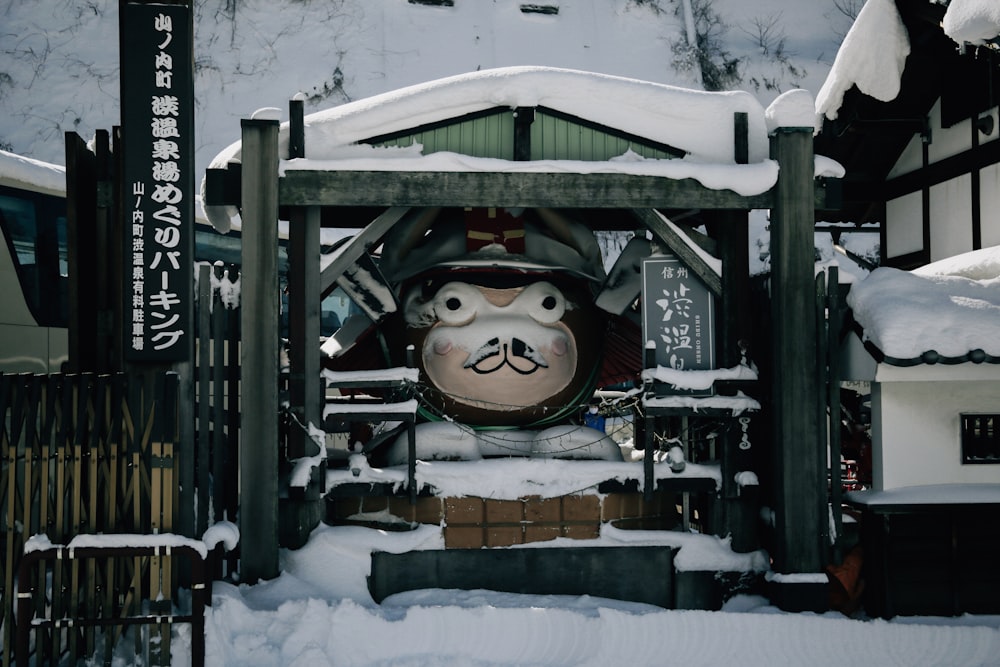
(89,454)
(84,454)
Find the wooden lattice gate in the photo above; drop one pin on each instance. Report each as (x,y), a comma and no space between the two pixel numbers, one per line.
(86,454)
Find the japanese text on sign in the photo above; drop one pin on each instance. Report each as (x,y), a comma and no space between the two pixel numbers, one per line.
(157,92)
(677,315)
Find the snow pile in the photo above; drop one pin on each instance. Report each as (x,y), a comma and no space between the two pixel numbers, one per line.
(892,307)
(668,114)
(972,21)
(697,379)
(319,612)
(796,108)
(871,57)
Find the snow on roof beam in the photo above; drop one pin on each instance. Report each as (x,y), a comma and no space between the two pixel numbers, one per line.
(300,187)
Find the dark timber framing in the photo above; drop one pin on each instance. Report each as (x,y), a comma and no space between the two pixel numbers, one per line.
(793,201)
(259,354)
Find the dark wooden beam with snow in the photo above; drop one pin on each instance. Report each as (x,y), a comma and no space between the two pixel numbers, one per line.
(677,245)
(528,189)
(352,250)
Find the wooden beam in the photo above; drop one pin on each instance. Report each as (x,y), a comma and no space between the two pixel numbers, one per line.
(363,240)
(304,300)
(934,173)
(528,189)
(656,223)
(259,354)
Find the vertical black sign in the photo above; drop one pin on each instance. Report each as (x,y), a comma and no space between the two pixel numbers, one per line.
(678,314)
(157,101)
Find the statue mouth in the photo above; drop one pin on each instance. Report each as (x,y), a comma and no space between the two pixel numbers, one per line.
(493,356)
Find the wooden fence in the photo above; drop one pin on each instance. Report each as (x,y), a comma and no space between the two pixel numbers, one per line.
(84,454)
(217,399)
(88,454)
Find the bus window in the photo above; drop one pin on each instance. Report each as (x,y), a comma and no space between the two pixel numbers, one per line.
(34,226)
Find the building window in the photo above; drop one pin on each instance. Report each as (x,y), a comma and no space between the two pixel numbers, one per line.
(981,438)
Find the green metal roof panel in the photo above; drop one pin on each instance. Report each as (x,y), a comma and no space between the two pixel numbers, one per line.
(481,135)
(557,137)
(553,136)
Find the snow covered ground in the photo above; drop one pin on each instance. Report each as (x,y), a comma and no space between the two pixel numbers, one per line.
(319,612)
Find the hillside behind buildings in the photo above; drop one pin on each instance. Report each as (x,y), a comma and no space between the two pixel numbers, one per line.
(59,63)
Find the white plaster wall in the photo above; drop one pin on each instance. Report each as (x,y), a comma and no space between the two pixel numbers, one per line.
(946,142)
(911,159)
(904,228)
(951,217)
(916,432)
(989,198)
(855,362)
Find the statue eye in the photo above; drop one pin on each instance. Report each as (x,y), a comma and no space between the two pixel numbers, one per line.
(543,302)
(457,303)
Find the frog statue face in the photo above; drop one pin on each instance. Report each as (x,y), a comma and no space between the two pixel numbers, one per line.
(498,304)
(503,355)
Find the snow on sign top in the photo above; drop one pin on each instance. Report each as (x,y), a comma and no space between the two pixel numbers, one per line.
(33,174)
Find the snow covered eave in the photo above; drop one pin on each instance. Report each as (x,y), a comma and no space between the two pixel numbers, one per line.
(929,366)
(871,57)
(933,496)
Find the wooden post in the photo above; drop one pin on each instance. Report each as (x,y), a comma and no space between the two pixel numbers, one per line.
(303,325)
(204,392)
(834,318)
(799,485)
(259,357)
(731,229)
(81,206)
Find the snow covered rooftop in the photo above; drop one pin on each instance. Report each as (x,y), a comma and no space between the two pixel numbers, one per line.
(34,174)
(698,123)
(945,312)
(873,54)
